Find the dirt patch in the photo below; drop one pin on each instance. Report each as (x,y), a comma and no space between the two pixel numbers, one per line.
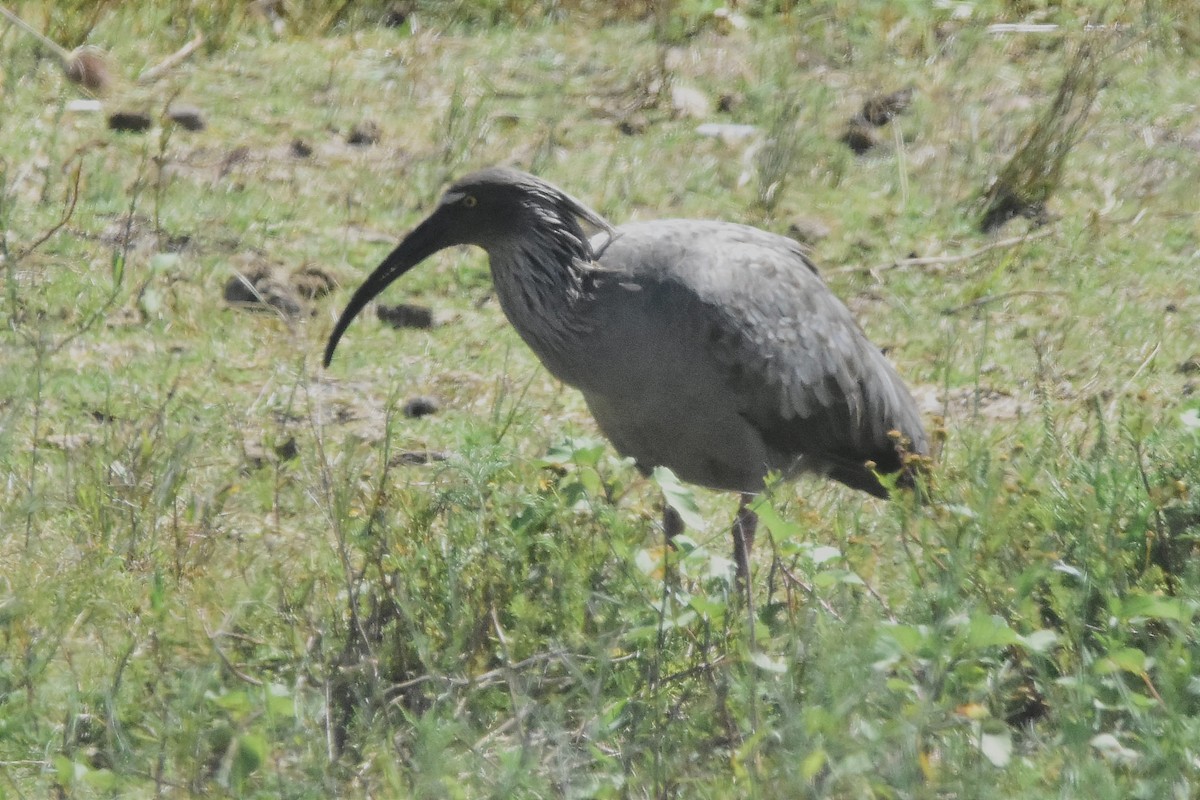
(965,401)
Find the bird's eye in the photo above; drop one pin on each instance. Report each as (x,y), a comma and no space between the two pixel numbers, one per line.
(469,201)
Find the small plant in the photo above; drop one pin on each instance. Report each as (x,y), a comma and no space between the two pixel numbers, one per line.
(1035,171)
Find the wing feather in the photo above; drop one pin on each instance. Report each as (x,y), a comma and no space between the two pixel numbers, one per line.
(804,373)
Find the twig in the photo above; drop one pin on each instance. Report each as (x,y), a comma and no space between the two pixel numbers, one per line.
(993,298)
(887,609)
(1022,27)
(66,217)
(929,261)
(58,50)
(807,587)
(170,62)
(212,639)
(707,666)
(1145,363)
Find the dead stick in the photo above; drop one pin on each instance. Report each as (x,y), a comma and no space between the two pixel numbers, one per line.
(170,62)
(938,260)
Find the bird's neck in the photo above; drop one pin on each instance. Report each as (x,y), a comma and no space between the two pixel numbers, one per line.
(543,288)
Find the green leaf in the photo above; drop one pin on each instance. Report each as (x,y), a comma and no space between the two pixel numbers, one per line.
(989,631)
(1039,641)
(249,756)
(1150,605)
(812,764)
(101,779)
(66,770)
(819,554)
(280,701)
(996,746)
(582,452)
(910,638)
(1127,659)
(769,664)
(237,702)
(780,529)
(1110,747)
(679,497)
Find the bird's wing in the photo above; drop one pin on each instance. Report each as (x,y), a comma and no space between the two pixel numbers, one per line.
(804,373)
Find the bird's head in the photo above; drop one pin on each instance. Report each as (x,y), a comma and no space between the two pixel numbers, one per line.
(494,208)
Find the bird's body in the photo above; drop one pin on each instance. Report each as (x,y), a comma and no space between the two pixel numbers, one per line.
(710,348)
(714,349)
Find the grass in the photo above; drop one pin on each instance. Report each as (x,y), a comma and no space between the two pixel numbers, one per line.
(221,572)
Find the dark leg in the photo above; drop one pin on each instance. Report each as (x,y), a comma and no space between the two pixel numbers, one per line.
(744,526)
(672,523)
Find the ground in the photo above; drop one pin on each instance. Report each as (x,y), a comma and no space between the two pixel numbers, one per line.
(225,570)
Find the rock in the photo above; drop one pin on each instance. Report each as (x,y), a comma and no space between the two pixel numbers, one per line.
(261,291)
(883,108)
(312,283)
(363,134)
(405,315)
(287,450)
(727,132)
(417,458)
(88,68)
(807,230)
(396,14)
(633,124)
(689,102)
(859,137)
(129,121)
(418,407)
(187,117)
(730,102)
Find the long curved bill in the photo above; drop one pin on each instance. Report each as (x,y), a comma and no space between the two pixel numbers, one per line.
(422,242)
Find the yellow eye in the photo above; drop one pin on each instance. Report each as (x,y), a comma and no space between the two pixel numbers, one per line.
(469,201)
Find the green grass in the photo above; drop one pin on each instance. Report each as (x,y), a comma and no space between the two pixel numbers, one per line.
(189,605)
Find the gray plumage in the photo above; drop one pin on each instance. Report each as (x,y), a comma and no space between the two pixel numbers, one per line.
(711,348)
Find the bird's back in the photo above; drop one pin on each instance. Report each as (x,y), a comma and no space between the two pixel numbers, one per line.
(726,326)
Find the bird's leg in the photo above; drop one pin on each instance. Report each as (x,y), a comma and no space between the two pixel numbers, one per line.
(672,523)
(744,526)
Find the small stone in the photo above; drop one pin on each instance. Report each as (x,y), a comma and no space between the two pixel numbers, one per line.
(129,121)
(807,230)
(405,315)
(259,291)
(396,14)
(419,407)
(417,458)
(689,102)
(883,108)
(633,125)
(187,117)
(363,134)
(859,137)
(288,450)
(312,283)
(88,67)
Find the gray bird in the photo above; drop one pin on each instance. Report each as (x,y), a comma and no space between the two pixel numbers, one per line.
(710,348)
